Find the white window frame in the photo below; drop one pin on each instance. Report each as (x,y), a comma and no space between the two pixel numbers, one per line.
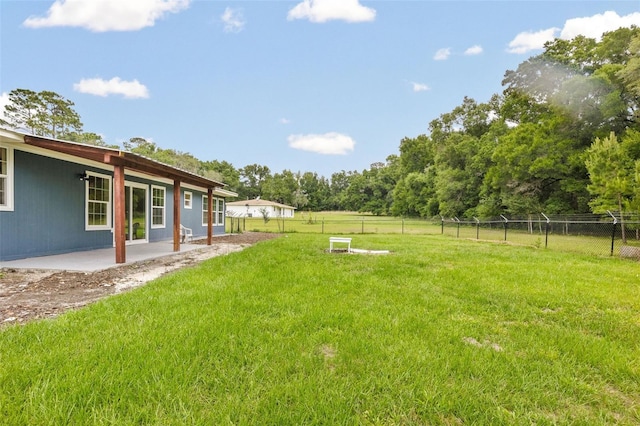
(205,209)
(8,180)
(219,219)
(188,200)
(163,207)
(109,204)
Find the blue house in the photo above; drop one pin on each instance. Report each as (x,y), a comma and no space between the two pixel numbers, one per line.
(60,197)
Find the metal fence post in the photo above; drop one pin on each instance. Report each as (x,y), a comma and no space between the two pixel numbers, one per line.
(546,230)
(506,221)
(613,233)
(442,225)
(403,226)
(477,228)
(363,225)
(458,227)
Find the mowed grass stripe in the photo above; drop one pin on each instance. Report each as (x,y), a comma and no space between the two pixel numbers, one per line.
(440,331)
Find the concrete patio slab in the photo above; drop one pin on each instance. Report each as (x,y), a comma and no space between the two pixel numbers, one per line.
(96,260)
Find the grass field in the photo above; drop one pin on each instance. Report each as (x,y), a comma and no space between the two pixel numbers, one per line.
(439,331)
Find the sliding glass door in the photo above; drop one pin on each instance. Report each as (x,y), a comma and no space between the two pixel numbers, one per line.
(136,212)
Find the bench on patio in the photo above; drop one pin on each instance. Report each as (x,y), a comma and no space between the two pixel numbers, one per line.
(342,240)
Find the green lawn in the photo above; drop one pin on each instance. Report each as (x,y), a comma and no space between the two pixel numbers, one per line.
(440,331)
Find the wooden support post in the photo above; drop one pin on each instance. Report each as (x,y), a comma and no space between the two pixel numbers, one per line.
(209,216)
(119,214)
(176,215)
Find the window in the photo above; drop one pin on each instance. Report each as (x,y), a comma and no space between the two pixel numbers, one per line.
(187,199)
(220,211)
(205,210)
(6,179)
(158,206)
(98,189)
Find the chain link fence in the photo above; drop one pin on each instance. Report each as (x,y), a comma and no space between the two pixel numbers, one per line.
(602,235)
(611,234)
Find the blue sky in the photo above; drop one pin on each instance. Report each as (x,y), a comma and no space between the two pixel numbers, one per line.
(303,85)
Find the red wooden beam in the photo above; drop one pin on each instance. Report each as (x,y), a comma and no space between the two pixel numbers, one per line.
(176,215)
(119,216)
(209,216)
(77,150)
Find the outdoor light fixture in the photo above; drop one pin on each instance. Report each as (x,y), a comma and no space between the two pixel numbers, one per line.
(83,176)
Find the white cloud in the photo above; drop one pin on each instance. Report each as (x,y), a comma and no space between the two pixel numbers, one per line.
(419,87)
(233,19)
(596,25)
(442,54)
(527,41)
(474,50)
(319,11)
(590,26)
(106,15)
(329,143)
(284,121)
(99,87)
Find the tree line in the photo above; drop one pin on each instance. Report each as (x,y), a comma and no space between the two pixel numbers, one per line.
(563,137)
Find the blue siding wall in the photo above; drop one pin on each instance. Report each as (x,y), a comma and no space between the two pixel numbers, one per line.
(166,233)
(192,218)
(48,216)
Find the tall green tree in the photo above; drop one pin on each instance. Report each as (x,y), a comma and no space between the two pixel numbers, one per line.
(613,175)
(22,111)
(463,153)
(416,154)
(283,188)
(253,177)
(317,189)
(538,168)
(340,182)
(43,113)
(57,115)
(457,187)
(414,192)
(630,74)
(372,190)
(414,195)
(592,81)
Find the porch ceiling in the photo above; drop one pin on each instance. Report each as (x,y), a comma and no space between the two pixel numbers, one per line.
(129,160)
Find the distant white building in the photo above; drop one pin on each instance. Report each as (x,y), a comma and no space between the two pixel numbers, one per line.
(255,208)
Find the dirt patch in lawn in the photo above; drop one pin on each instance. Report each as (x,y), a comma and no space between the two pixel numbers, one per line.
(33,294)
